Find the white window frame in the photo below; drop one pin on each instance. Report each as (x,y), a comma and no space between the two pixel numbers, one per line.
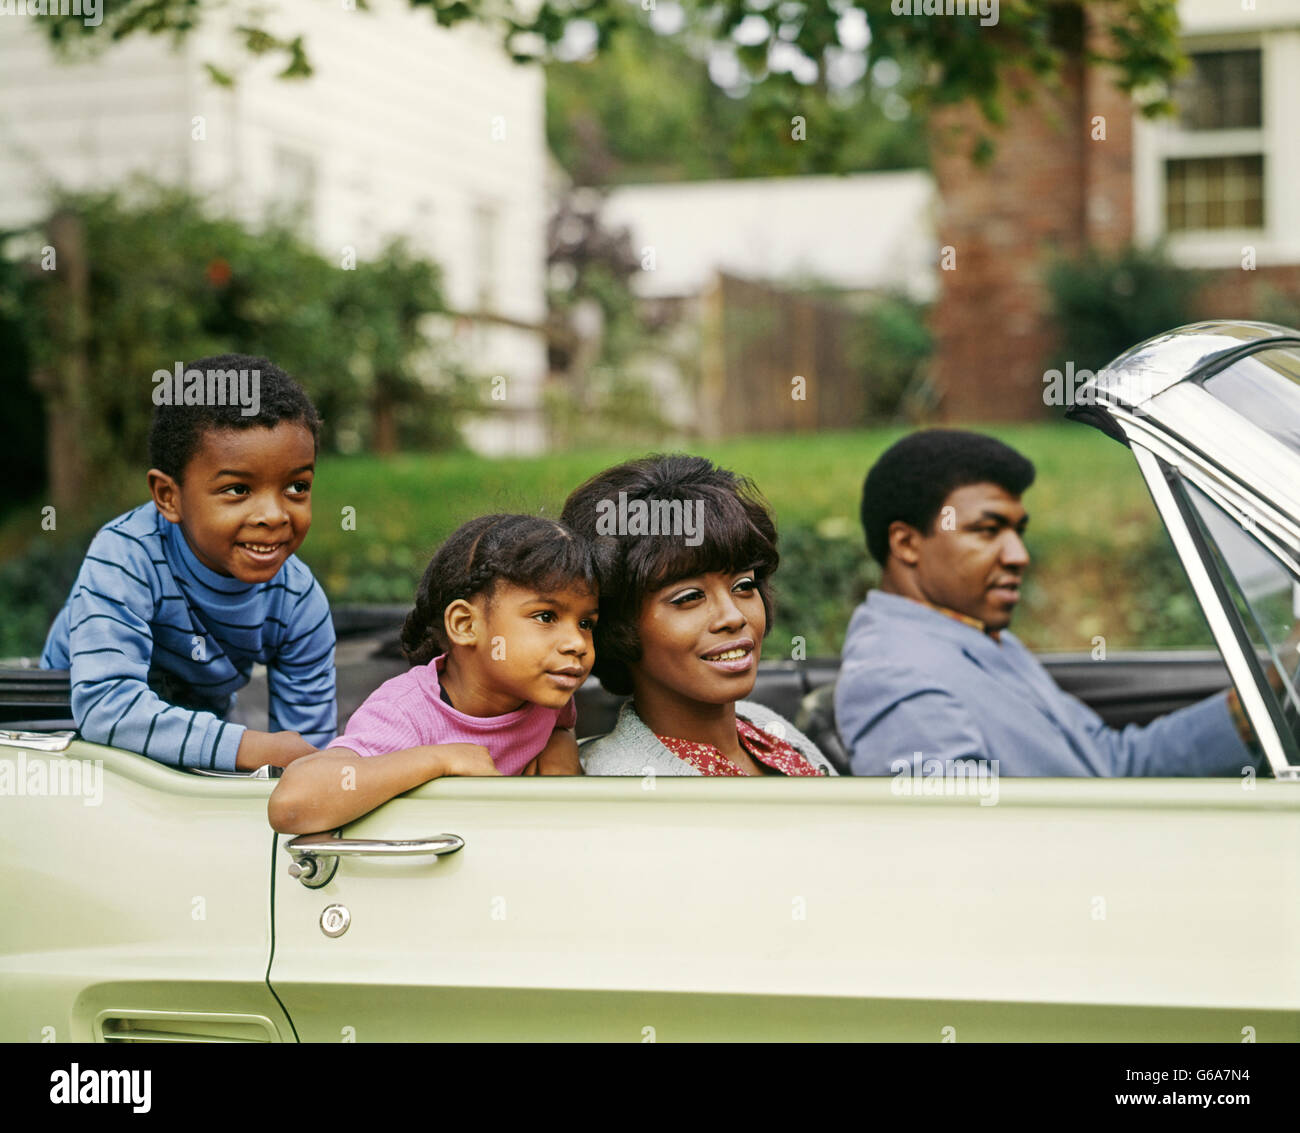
(1277,138)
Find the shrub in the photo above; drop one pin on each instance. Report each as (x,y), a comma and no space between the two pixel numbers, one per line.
(891,345)
(167,283)
(825,572)
(33,588)
(1103,303)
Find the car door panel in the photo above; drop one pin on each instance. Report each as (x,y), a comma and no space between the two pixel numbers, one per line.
(144,914)
(688,909)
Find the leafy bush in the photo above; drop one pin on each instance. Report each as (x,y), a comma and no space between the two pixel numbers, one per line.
(890,349)
(600,343)
(1104,303)
(33,588)
(1162,608)
(1277,306)
(169,283)
(22,459)
(825,571)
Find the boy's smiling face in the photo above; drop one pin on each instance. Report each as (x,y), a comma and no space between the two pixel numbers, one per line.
(244,502)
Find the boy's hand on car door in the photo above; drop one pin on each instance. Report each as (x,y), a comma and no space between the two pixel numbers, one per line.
(279,749)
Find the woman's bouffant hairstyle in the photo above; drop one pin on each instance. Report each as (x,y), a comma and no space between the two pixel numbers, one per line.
(736,533)
(522,549)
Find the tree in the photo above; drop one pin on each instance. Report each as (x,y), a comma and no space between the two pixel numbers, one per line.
(646,109)
(146,280)
(782,48)
(597,332)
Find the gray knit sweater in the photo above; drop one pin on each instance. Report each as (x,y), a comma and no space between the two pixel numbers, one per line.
(633,749)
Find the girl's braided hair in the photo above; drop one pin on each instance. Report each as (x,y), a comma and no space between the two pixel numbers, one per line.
(524,550)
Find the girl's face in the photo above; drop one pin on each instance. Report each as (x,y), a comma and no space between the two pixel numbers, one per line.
(536,646)
(701,638)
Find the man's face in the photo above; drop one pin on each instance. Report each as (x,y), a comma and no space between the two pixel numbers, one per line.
(244,503)
(974,559)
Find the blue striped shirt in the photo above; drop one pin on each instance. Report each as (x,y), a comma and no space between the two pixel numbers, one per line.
(158,644)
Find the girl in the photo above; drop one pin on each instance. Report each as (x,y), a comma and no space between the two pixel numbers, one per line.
(499,641)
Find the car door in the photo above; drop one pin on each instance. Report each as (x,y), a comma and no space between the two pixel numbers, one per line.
(642,909)
(135,899)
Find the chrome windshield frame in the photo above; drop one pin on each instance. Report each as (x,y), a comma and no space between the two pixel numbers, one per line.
(1178,513)
(1276,529)
(1152,399)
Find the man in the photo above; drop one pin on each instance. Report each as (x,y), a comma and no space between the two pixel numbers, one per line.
(929,665)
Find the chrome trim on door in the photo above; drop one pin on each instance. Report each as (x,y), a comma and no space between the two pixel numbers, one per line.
(266,771)
(37,741)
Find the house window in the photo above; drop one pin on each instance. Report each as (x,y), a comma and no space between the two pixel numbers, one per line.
(1214,166)
(1221,91)
(1214,192)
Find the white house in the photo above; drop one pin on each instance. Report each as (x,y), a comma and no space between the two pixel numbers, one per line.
(1221,177)
(863,232)
(405,128)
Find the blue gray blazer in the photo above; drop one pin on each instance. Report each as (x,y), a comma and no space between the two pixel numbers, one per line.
(913,679)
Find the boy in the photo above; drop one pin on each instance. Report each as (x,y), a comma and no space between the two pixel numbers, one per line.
(178,598)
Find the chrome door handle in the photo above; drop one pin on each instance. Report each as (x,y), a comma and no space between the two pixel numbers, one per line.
(316,856)
(325,844)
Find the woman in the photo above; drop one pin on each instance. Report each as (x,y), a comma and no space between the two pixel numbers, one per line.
(685,602)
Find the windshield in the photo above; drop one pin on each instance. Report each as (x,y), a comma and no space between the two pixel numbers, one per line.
(1266,596)
(1265,389)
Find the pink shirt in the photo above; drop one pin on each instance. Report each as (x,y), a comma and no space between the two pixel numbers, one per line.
(408,711)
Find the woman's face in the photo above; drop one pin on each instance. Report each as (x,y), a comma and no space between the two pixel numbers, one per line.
(700,639)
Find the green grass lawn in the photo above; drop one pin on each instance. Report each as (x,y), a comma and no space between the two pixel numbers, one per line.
(1088,487)
(1102,566)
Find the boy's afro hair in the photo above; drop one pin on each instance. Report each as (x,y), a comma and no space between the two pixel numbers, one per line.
(176,431)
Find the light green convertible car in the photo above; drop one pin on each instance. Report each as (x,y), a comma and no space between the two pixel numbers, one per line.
(146,904)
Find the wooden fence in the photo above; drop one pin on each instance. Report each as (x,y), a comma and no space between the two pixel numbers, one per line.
(775,361)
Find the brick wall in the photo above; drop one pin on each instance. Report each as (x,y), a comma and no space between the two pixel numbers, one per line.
(1052,188)
(1269,293)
